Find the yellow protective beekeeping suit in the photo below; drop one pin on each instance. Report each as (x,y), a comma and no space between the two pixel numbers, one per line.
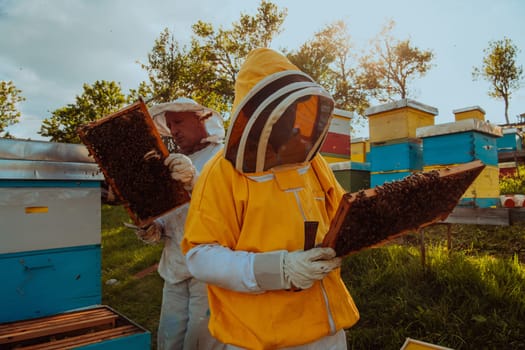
(265,211)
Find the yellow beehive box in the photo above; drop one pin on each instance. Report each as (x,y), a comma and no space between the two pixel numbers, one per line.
(486,184)
(358,149)
(474,112)
(398,120)
(413,344)
(330,159)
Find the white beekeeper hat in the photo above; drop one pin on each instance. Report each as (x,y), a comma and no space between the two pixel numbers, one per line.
(212,119)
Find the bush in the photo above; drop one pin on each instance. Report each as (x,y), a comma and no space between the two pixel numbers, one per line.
(514,184)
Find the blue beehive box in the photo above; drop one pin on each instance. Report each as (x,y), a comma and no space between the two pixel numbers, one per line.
(50,258)
(460,142)
(511,141)
(405,155)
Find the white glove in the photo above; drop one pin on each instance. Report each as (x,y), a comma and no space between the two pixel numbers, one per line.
(149,234)
(302,268)
(181,169)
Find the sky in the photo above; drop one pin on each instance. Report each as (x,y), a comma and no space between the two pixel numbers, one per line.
(50,48)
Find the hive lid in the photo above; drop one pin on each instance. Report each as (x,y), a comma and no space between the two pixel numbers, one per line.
(406,102)
(350,165)
(468,109)
(464,125)
(375,216)
(44,160)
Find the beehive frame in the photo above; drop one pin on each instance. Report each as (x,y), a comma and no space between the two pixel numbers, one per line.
(130,152)
(375,216)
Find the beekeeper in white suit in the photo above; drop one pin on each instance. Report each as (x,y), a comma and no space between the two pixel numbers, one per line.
(199,133)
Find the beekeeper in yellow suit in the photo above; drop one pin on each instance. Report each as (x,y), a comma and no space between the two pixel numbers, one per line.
(245,231)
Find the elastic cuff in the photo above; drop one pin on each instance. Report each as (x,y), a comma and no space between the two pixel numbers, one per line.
(268,270)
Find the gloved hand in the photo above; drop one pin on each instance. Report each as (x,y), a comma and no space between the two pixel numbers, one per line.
(302,268)
(148,234)
(181,169)
(284,270)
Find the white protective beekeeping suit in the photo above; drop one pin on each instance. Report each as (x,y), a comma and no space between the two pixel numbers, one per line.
(184,313)
(172,265)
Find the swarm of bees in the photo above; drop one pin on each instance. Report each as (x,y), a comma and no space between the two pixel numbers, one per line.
(372,217)
(130,153)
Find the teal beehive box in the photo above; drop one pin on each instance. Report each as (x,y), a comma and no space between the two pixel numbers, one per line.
(511,141)
(401,155)
(460,142)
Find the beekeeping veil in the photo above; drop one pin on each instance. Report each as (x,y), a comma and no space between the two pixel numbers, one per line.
(212,119)
(280,115)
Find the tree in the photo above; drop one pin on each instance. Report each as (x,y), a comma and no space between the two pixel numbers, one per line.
(501,70)
(391,65)
(96,101)
(317,56)
(176,71)
(206,69)
(229,47)
(328,59)
(144,91)
(9,97)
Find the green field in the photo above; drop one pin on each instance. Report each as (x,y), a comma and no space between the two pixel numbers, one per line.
(471,297)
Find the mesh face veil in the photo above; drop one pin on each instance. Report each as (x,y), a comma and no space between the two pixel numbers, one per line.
(283,120)
(212,119)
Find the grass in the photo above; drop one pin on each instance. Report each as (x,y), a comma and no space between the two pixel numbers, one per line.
(458,301)
(123,256)
(472,297)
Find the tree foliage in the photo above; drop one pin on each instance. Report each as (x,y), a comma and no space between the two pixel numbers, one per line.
(329,60)
(176,71)
(228,47)
(144,91)
(206,69)
(501,70)
(9,97)
(391,65)
(96,101)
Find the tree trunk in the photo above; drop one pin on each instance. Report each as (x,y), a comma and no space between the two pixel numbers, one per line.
(506,109)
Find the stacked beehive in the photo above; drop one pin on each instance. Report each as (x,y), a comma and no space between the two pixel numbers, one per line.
(336,147)
(469,138)
(50,252)
(359,149)
(395,151)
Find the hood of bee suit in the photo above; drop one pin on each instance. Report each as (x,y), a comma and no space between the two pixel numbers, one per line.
(280,116)
(212,119)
